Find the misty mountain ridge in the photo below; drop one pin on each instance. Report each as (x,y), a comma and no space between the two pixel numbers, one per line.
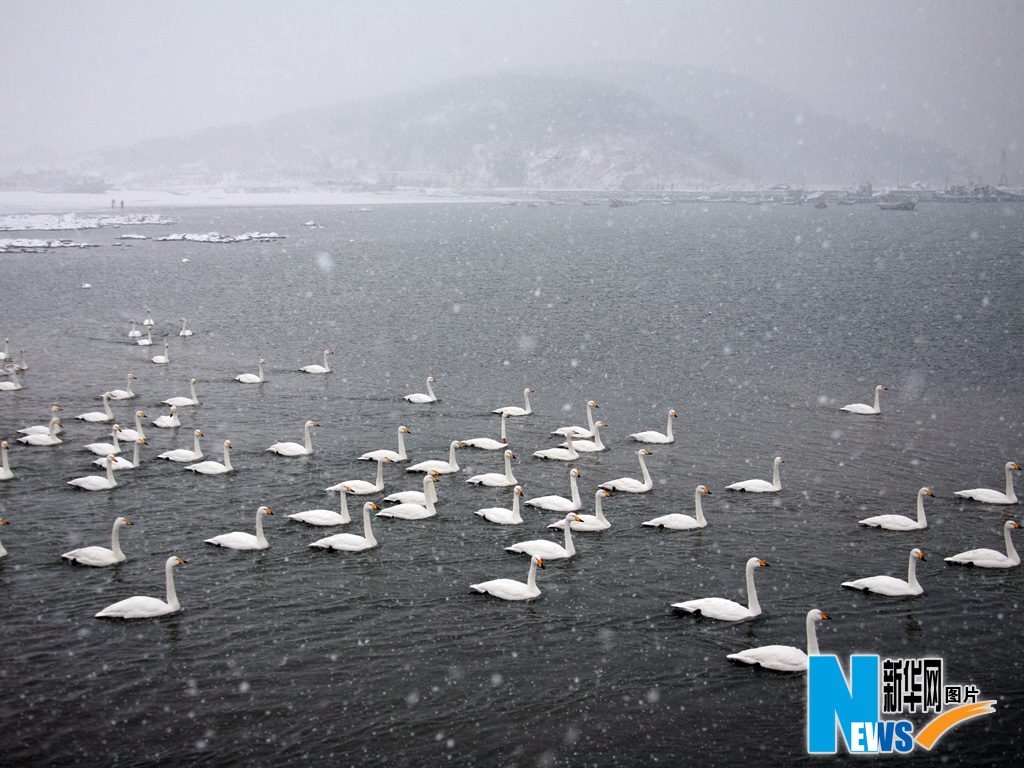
(614,128)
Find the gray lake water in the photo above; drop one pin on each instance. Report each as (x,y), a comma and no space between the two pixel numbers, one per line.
(755,324)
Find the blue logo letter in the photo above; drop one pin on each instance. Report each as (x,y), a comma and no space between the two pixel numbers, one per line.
(831,699)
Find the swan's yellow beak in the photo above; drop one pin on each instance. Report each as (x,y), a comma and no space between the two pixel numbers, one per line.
(823,615)
(180,560)
(127,522)
(762,563)
(540,563)
(268,510)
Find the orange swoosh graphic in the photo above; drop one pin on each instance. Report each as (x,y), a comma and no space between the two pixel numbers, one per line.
(934,730)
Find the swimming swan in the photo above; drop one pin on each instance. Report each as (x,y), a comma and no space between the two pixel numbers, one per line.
(651,436)
(214,467)
(42,429)
(383,453)
(589,523)
(560,503)
(12,385)
(325,368)
(126,393)
(514,410)
(106,449)
(548,550)
(559,454)
(132,435)
(760,486)
(901,522)
(628,484)
(50,438)
(149,318)
(990,558)
(350,542)
(168,421)
(589,446)
(252,378)
(497,479)
(326,517)
(501,515)
(2,550)
(295,449)
(142,607)
(586,432)
(97,482)
(510,589)
(988,496)
(5,467)
(678,522)
(184,402)
(363,487)
(488,443)
(98,557)
(148,341)
(122,463)
(409,511)
(867,410)
(241,540)
(416,497)
(887,585)
(184,328)
(419,397)
(99,416)
(133,332)
(165,358)
(183,454)
(728,610)
(784,658)
(437,465)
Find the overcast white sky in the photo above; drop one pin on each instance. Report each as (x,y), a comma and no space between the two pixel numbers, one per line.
(79,75)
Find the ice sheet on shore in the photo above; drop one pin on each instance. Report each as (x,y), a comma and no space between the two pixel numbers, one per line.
(216,237)
(9,245)
(42,222)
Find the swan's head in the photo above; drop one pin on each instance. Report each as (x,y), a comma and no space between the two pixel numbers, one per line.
(5,444)
(915,552)
(227,443)
(756,562)
(925,492)
(816,615)
(130,376)
(264,510)
(141,440)
(262,362)
(1011,465)
(880,388)
(510,454)
(432,479)
(346,489)
(174,560)
(181,319)
(592,404)
(369,505)
(603,492)
(575,472)
(538,561)
(56,408)
(1010,524)
(456,443)
(328,352)
(643,452)
(140,414)
(518,490)
(312,424)
(527,391)
(193,381)
(778,460)
(122,521)
(672,414)
(572,517)
(198,433)
(432,379)
(4,522)
(405,430)
(702,489)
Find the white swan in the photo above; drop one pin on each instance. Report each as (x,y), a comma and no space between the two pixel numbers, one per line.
(629,484)
(6,354)
(183,454)
(437,465)
(184,402)
(901,522)
(242,540)
(295,449)
(678,522)
(133,332)
(497,479)
(97,482)
(99,416)
(149,317)
(184,328)
(589,446)
(728,610)
(549,550)
(501,515)
(560,503)
(990,558)
(409,511)
(252,378)
(122,463)
(168,421)
(888,585)
(867,410)
(42,429)
(98,557)
(126,393)
(363,487)
(510,589)
(384,453)
(988,496)
(5,467)
(651,436)
(784,658)
(214,467)
(2,550)
(586,432)
(13,384)
(589,523)
(106,449)
(416,497)
(760,486)
(350,542)
(488,443)
(148,341)
(318,368)
(142,607)
(165,358)
(559,454)
(515,410)
(326,517)
(420,397)
(50,438)
(133,435)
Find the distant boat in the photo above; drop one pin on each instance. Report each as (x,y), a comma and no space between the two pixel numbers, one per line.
(905,205)
(821,204)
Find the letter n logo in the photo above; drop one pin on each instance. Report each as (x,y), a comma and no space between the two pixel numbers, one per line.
(831,700)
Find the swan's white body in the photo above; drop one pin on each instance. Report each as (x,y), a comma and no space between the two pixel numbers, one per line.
(350,542)
(784,658)
(99,416)
(420,397)
(383,453)
(97,482)
(214,467)
(888,585)
(134,435)
(252,378)
(148,341)
(5,467)
(98,557)
(589,523)
(488,443)
(990,558)
(679,522)
(133,332)
(242,540)
(325,368)
(142,607)
(559,454)
(106,449)
(149,318)
(126,393)
(510,589)
(988,496)
(168,421)
(409,511)
(43,429)
(184,328)
(501,515)
(548,550)
(761,486)
(866,410)
(901,522)
(13,384)
(584,433)
(326,517)
(122,463)
(416,497)
(497,479)
(560,503)
(437,465)
(50,438)
(588,446)
(183,454)
(629,484)
(296,449)
(651,436)
(515,410)
(728,610)
(165,358)
(363,487)
(184,402)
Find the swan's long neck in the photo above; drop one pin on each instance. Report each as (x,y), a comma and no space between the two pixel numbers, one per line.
(876,406)
(106,405)
(569,546)
(53,426)
(508,468)
(752,604)
(599,508)
(380,475)
(776,483)
(326,366)
(367,530)
(1010,493)
(812,637)
(3,459)
(590,419)
(912,572)
(526,402)
(138,426)
(700,509)
(451,457)
(261,371)
(172,595)
(113,439)
(115,540)
(308,440)
(668,429)
(195,446)
(135,454)
(343,507)
(574,489)
(643,469)
(192,389)
(1011,551)
(922,521)
(227,458)
(596,432)
(515,508)
(110,474)
(430,390)
(259,527)
(570,447)
(531,580)
(504,440)
(401,445)
(128,387)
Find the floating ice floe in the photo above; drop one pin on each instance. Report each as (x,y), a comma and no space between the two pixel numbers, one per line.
(22,244)
(216,237)
(132,237)
(24,222)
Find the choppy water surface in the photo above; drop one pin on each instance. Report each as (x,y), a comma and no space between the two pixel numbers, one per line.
(755,325)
